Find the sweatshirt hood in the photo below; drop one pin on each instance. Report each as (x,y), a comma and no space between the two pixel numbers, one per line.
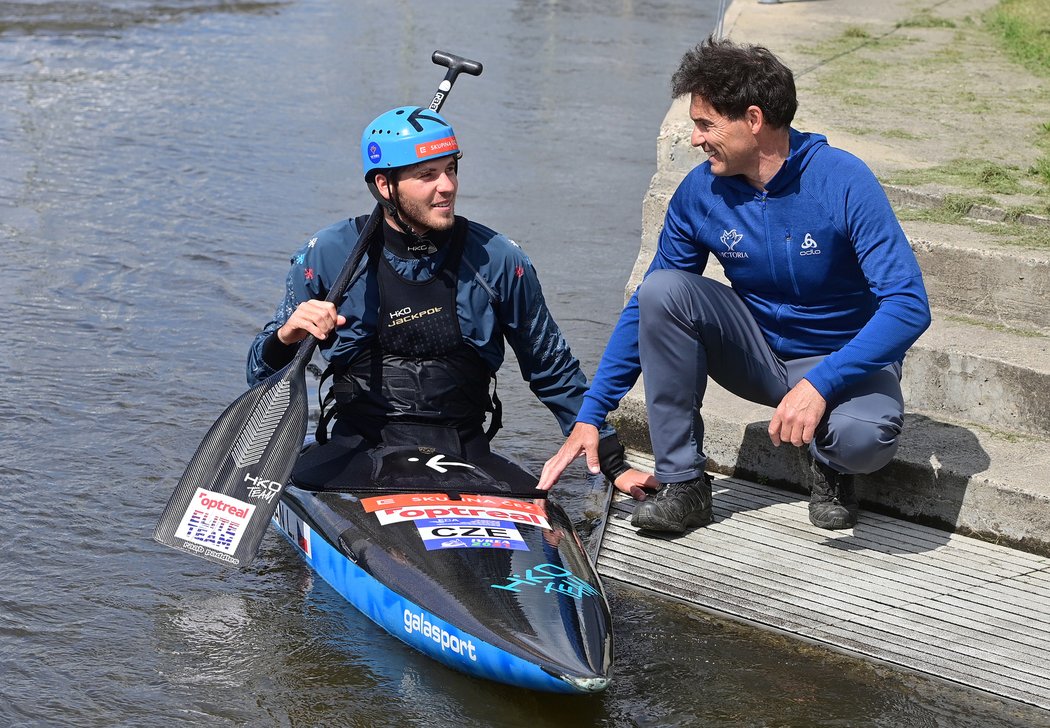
(802,146)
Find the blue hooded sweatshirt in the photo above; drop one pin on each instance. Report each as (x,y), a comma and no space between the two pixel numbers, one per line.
(818,258)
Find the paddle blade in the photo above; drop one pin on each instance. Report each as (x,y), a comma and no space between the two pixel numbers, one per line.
(222,505)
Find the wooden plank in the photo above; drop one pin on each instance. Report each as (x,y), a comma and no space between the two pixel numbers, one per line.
(967,611)
(890,536)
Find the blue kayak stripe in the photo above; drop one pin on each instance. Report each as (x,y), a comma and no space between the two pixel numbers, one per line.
(417,627)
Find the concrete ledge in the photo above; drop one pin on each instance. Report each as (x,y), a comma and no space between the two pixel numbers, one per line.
(973,274)
(907,197)
(971,371)
(952,475)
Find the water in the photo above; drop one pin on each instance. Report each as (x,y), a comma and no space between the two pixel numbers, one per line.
(160,160)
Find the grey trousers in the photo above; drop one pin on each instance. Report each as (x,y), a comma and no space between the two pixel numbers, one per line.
(692,328)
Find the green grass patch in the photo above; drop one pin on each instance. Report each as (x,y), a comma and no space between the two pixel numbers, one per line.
(1041,169)
(1027,333)
(1023,27)
(954,211)
(971,173)
(925,20)
(885,133)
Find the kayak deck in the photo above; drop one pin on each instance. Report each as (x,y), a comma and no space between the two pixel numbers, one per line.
(498,587)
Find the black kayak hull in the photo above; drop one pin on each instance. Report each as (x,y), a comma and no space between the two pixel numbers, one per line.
(496,586)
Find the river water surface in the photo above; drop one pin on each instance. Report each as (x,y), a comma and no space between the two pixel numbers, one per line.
(159,161)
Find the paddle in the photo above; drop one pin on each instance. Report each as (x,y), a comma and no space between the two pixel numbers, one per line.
(224,501)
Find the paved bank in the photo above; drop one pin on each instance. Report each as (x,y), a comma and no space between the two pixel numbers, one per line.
(912,87)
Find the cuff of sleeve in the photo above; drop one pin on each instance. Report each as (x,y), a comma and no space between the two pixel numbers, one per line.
(276,354)
(610,457)
(824,379)
(591,413)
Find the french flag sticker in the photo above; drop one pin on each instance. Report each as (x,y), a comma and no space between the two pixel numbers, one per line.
(302,538)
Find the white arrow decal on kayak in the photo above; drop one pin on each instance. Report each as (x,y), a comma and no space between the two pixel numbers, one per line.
(437,463)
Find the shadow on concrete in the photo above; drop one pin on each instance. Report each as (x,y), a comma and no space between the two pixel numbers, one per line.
(925,485)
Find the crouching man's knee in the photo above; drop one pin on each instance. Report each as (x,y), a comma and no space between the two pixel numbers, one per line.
(855,446)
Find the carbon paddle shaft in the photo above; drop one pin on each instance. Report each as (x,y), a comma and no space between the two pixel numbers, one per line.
(224,501)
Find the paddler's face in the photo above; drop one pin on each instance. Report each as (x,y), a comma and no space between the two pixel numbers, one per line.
(426,194)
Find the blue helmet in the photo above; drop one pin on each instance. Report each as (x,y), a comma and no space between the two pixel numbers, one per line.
(404,136)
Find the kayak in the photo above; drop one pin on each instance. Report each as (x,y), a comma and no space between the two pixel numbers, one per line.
(461,561)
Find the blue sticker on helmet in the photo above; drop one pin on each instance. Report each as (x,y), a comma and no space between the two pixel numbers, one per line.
(374,153)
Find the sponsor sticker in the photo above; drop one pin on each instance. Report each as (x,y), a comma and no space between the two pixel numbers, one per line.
(302,537)
(261,489)
(429,149)
(425,506)
(375,153)
(455,533)
(215,520)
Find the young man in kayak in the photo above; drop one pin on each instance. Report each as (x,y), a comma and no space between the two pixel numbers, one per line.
(420,333)
(826,298)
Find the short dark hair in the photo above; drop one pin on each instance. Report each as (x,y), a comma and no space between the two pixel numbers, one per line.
(733,77)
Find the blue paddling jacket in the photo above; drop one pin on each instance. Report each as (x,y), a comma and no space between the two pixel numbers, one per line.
(498,298)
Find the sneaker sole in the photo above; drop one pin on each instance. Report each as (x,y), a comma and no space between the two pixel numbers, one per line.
(835,522)
(655,524)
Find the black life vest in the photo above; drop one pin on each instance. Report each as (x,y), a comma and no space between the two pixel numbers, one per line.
(418,369)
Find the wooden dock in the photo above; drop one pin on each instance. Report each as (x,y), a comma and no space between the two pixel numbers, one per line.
(963,610)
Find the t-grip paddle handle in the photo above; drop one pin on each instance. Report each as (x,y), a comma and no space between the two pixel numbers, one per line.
(455,65)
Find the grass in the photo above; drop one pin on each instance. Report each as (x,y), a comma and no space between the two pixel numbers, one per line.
(1041,168)
(925,20)
(954,211)
(1027,333)
(979,174)
(934,107)
(1023,27)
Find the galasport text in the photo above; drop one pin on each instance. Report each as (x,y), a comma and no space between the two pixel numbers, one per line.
(419,623)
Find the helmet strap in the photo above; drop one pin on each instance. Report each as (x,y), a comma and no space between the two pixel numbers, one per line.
(391,207)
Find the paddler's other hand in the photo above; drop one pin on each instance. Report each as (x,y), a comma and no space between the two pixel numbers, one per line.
(310,318)
(634,483)
(583,440)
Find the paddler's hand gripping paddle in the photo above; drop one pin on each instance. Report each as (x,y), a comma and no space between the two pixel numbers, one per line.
(224,501)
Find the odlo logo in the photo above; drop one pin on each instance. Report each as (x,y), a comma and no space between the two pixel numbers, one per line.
(809,246)
(730,239)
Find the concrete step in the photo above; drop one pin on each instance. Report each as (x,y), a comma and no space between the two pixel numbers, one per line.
(909,197)
(949,473)
(974,274)
(987,375)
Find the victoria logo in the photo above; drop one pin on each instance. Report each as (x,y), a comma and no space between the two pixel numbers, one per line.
(730,239)
(374,153)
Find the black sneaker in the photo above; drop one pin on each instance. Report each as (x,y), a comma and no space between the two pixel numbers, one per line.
(832,501)
(676,507)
